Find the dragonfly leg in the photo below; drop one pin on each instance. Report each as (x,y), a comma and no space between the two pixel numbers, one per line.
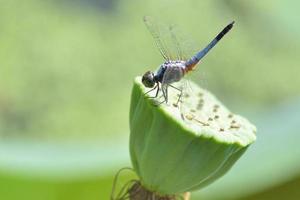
(157,90)
(165,93)
(164,96)
(156,94)
(180,95)
(158,103)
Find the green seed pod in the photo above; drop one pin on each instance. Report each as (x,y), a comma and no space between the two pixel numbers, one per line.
(174,149)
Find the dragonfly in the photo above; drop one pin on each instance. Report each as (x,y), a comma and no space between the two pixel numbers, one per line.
(175,67)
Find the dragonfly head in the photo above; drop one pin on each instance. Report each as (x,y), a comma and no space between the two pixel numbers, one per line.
(148,79)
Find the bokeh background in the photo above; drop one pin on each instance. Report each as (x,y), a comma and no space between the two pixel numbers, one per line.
(66,72)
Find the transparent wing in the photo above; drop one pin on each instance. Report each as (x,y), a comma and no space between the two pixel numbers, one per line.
(157,33)
(189,48)
(172,43)
(186,46)
(200,75)
(174,80)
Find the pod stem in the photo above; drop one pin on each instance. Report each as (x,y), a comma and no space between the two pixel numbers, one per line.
(138,192)
(134,190)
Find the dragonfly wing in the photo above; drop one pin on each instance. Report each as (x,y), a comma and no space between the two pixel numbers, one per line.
(186,47)
(157,36)
(169,44)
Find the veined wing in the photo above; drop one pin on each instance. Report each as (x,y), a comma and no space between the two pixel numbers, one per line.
(186,47)
(169,40)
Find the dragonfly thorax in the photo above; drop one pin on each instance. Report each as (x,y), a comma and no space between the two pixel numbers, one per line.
(170,70)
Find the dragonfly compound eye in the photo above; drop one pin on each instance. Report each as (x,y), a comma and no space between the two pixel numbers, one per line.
(148,79)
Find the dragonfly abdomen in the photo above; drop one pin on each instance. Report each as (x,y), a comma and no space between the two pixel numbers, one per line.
(191,63)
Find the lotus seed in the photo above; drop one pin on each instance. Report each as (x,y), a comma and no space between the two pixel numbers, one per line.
(189,116)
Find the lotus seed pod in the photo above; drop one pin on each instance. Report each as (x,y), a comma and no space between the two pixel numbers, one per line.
(176,148)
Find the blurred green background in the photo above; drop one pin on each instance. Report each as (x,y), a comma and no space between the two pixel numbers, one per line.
(66,71)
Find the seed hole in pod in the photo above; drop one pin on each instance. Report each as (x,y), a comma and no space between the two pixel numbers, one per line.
(201,122)
(182,116)
(201,100)
(222,129)
(217,117)
(215,110)
(216,106)
(200,94)
(234,127)
(186,95)
(199,106)
(233,121)
(210,119)
(230,115)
